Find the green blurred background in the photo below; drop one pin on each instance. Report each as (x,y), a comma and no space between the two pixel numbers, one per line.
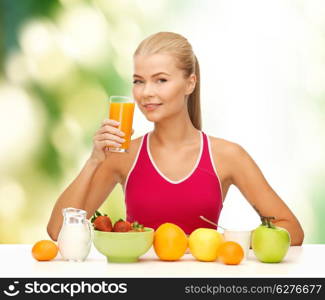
(61,60)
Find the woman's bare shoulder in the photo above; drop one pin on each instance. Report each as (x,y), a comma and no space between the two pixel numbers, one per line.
(226,155)
(224,147)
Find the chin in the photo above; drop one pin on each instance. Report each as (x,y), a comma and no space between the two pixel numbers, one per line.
(153,118)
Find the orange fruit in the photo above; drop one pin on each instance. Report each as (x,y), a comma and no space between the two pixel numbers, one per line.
(170,242)
(45,250)
(230,253)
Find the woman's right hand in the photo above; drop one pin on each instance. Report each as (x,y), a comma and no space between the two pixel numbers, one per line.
(108,135)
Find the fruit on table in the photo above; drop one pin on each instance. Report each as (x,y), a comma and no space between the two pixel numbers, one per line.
(270,243)
(170,242)
(101,222)
(44,250)
(204,243)
(136,227)
(230,253)
(122,226)
(104,223)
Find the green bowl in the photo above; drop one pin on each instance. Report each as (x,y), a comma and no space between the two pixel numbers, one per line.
(123,246)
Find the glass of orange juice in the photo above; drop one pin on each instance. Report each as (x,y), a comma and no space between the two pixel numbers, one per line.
(121,109)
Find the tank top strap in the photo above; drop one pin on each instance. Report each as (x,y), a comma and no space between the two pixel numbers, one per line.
(144,146)
(207,162)
(140,158)
(142,151)
(206,157)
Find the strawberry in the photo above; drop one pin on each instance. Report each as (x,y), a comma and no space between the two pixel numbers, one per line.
(101,222)
(122,226)
(137,227)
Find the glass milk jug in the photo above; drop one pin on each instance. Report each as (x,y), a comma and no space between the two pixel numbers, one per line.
(75,237)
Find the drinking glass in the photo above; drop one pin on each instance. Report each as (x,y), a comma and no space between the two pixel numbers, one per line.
(121,109)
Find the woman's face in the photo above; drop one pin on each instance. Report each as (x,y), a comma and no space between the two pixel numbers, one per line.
(159,87)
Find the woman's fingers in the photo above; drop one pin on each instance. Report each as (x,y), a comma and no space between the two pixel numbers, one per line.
(108,136)
(106,143)
(111,130)
(110,122)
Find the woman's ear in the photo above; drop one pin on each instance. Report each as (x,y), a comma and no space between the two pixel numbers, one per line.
(191,82)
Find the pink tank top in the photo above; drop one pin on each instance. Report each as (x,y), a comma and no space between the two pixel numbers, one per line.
(152,199)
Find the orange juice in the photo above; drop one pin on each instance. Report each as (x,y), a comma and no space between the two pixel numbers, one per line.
(123,113)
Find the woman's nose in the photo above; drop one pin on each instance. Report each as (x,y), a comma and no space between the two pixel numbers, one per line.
(148,90)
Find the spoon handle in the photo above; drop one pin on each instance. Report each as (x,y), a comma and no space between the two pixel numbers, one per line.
(212,223)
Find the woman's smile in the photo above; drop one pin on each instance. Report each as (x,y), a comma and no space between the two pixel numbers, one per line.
(152,106)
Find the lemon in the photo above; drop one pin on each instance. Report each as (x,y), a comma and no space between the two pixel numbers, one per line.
(204,244)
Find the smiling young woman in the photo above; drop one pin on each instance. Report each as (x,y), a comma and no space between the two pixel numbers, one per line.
(175,173)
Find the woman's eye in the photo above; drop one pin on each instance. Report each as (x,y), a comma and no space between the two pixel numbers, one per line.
(162,80)
(136,81)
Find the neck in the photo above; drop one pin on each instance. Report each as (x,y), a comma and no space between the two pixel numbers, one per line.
(174,132)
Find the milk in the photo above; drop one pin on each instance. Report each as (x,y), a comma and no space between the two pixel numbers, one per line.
(75,236)
(74,241)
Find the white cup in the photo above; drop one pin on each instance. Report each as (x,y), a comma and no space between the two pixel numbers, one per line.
(242,237)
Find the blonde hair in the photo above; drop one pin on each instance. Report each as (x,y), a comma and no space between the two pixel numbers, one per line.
(179,47)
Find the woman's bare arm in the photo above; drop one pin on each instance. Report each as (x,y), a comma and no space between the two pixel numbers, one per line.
(102,184)
(96,179)
(73,196)
(91,187)
(249,179)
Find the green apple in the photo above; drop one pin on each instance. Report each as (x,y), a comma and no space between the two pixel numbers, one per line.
(270,243)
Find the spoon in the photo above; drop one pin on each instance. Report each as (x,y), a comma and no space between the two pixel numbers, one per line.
(212,223)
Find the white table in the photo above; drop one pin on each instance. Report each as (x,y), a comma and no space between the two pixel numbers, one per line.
(16,261)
